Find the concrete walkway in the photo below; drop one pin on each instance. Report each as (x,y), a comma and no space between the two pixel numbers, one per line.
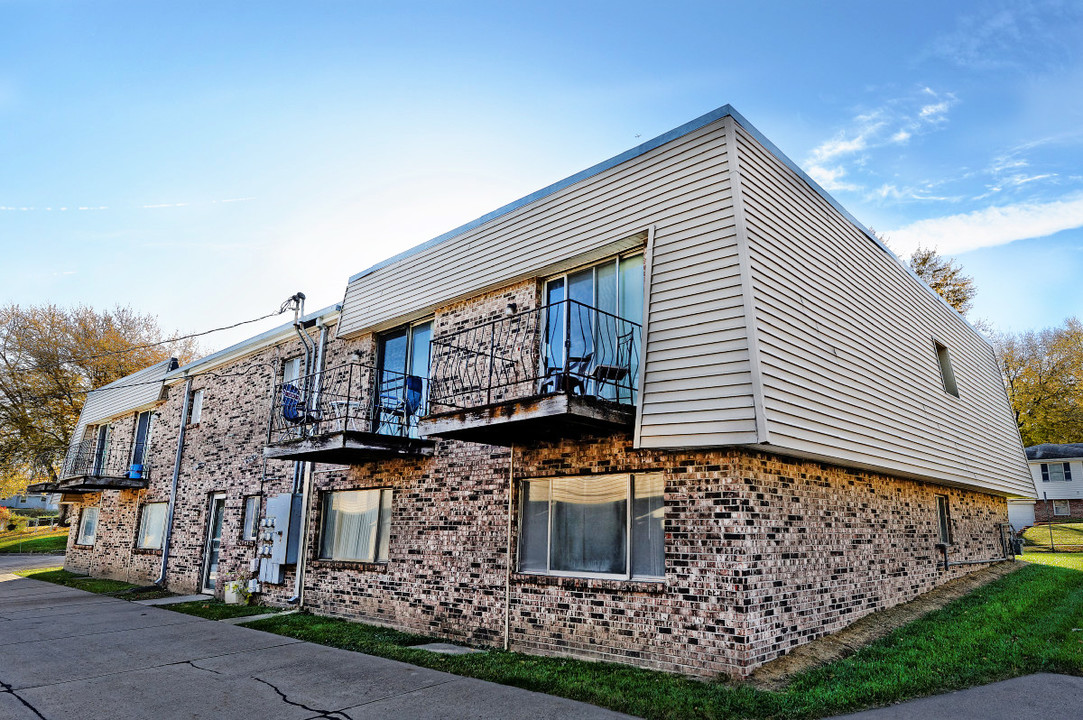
(1042,696)
(13,562)
(65,653)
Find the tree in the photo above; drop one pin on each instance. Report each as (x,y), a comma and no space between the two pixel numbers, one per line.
(945,276)
(1043,372)
(50,357)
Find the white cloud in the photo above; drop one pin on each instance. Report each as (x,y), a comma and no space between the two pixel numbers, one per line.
(929,112)
(992,226)
(831,178)
(900,137)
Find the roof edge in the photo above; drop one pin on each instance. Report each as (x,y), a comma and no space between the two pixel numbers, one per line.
(250,344)
(641,149)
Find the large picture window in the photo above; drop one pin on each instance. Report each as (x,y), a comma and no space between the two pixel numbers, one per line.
(594,526)
(356,525)
(152,526)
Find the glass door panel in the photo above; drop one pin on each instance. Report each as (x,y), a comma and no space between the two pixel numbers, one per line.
(214,542)
(417,384)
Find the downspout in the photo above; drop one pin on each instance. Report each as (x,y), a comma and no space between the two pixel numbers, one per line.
(306,342)
(306,488)
(507,556)
(176,477)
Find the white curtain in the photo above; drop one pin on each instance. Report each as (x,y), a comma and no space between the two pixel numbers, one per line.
(88,526)
(356,525)
(152,525)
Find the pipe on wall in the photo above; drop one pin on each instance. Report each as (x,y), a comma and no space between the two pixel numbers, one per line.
(173,486)
(507,556)
(306,489)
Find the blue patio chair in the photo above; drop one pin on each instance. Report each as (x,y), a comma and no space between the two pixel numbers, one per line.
(292,410)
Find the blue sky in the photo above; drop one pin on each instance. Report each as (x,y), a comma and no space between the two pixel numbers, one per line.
(203,161)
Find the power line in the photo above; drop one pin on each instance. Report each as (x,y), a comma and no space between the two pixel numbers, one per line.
(170,341)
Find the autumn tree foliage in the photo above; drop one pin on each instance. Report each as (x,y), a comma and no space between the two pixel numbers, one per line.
(946,277)
(1043,371)
(50,357)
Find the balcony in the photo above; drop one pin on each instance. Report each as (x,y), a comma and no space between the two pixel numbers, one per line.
(560,370)
(91,467)
(347,414)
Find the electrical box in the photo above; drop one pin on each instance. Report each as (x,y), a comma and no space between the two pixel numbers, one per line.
(279,536)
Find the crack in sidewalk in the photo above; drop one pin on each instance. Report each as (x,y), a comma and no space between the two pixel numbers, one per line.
(26,703)
(331,714)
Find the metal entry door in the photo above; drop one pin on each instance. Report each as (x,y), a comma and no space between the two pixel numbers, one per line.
(214,542)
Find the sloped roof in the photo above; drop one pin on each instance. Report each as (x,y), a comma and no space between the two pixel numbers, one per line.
(122,396)
(1052,451)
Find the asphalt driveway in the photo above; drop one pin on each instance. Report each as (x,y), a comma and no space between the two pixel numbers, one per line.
(65,653)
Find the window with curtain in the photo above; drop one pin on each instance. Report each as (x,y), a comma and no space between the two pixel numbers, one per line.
(152,526)
(251,517)
(602,525)
(88,526)
(356,525)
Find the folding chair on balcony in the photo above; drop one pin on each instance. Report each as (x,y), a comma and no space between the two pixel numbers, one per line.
(571,380)
(396,408)
(613,373)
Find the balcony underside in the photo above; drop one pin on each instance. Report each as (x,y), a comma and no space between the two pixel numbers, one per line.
(92,484)
(522,420)
(347,448)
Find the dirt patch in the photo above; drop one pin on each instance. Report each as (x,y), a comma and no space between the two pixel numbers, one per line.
(777,673)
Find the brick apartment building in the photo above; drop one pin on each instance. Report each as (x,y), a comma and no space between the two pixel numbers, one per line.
(679,410)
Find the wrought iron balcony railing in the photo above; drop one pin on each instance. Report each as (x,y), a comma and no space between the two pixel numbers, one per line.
(565,347)
(89,459)
(348,398)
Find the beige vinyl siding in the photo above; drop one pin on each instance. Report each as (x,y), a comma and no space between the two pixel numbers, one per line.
(120,397)
(695,365)
(845,342)
(595,217)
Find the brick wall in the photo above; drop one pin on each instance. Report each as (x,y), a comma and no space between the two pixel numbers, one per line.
(762,553)
(1043,511)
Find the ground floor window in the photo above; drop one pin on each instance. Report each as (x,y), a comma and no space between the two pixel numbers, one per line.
(356,525)
(152,526)
(251,517)
(88,526)
(943,517)
(1062,507)
(599,525)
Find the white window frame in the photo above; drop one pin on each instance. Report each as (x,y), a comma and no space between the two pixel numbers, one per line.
(947,372)
(250,518)
(195,406)
(378,549)
(1067,505)
(627,575)
(81,538)
(1062,469)
(943,519)
(140,539)
(292,370)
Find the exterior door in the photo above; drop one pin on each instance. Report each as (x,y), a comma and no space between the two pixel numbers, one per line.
(214,542)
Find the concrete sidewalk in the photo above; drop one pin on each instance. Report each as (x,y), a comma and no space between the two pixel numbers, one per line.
(13,562)
(65,653)
(1044,695)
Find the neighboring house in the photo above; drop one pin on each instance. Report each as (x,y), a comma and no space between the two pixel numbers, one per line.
(32,501)
(679,410)
(1057,471)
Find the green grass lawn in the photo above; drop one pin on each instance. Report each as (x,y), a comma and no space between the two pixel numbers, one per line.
(1020,624)
(217,610)
(1065,560)
(1068,533)
(117,588)
(45,541)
